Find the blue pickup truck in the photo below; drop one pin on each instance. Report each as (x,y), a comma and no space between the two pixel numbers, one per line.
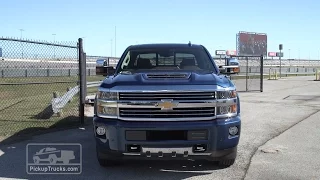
(166,101)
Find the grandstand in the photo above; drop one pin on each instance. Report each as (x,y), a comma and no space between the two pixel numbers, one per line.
(91,62)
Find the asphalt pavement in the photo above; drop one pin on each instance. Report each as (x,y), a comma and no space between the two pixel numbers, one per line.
(284,104)
(292,155)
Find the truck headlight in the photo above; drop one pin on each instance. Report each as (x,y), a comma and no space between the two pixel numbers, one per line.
(107,95)
(226,94)
(227,109)
(107,108)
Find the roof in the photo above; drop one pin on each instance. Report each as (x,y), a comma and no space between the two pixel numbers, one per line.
(164,45)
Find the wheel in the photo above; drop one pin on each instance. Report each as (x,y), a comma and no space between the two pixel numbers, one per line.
(106,161)
(52,159)
(226,162)
(36,160)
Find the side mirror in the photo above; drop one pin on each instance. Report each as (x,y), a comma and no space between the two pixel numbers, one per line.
(228,70)
(103,69)
(222,70)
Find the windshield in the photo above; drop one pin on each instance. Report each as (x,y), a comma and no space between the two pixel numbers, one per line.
(168,59)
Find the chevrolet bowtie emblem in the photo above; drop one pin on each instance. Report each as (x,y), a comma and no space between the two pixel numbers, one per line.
(167,105)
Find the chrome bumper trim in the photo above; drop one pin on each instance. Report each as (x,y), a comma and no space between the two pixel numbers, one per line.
(185,151)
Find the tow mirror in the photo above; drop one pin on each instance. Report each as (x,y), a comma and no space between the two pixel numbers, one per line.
(103,69)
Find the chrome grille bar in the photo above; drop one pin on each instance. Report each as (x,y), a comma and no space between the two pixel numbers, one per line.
(174,113)
(158,110)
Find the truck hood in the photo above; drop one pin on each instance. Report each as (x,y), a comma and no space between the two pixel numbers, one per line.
(172,78)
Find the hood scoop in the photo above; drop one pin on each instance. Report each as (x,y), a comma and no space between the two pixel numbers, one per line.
(167,75)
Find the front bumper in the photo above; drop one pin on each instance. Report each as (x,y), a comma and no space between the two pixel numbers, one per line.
(217,144)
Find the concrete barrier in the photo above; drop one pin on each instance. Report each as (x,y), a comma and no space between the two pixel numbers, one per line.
(58,103)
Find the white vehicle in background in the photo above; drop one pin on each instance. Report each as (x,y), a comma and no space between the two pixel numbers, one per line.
(234,62)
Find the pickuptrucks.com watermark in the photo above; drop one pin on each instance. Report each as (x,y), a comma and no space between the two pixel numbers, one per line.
(54,158)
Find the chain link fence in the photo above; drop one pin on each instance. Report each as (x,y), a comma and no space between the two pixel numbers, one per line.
(276,62)
(39,84)
(251,74)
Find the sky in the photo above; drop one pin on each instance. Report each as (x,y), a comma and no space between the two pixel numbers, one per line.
(109,26)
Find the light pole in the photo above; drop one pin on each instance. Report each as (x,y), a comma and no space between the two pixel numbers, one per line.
(54,37)
(54,47)
(220,48)
(21,30)
(280,48)
(115,41)
(111,47)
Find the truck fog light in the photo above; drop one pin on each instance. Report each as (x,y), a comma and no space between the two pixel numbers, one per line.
(233,130)
(101,131)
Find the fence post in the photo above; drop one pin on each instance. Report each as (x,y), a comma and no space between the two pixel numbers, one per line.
(269,73)
(84,65)
(247,74)
(81,80)
(261,73)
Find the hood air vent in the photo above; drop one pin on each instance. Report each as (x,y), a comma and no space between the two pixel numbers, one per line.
(168,76)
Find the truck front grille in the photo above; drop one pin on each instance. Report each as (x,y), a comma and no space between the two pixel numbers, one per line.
(175,113)
(158,96)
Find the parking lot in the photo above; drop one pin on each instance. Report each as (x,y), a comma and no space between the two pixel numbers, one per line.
(279,138)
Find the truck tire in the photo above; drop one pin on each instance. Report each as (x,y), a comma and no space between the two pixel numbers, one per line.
(226,162)
(36,160)
(52,159)
(106,161)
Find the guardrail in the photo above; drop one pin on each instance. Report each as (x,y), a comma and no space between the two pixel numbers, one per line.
(58,103)
(274,74)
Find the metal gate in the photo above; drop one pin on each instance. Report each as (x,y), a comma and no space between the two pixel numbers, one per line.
(39,84)
(251,74)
